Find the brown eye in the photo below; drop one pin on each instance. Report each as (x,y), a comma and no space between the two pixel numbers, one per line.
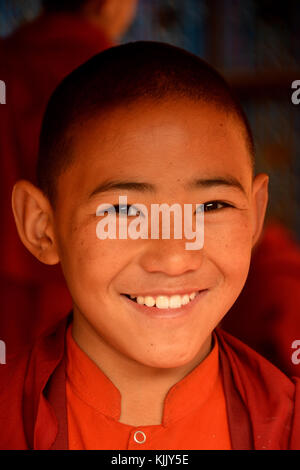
(128,210)
(215,205)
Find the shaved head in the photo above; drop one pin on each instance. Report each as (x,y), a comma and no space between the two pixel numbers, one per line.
(120,76)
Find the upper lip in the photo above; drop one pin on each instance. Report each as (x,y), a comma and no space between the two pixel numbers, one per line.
(168,293)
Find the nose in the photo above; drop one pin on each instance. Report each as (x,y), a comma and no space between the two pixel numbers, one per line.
(170,257)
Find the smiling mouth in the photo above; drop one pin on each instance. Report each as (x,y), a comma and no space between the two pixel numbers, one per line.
(163,301)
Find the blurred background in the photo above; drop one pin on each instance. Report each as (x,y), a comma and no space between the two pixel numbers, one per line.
(256,45)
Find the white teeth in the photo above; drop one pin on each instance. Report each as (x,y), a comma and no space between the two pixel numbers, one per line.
(163,301)
(149,301)
(185,299)
(175,301)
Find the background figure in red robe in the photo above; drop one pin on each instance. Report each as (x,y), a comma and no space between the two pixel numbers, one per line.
(266,315)
(34,60)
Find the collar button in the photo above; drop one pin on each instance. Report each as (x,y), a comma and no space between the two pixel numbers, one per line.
(139,437)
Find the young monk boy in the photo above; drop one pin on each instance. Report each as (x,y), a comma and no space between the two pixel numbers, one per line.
(140,362)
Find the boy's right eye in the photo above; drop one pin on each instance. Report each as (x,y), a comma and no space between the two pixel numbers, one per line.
(121,209)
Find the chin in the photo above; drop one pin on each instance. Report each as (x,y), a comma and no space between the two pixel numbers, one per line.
(168,361)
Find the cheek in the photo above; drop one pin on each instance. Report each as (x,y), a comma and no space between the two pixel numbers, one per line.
(89,264)
(228,243)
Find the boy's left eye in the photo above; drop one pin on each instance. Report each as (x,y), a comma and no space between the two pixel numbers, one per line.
(120,209)
(127,209)
(215,205)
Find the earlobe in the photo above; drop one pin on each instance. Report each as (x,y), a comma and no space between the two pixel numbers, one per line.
(260,202)
(34,220)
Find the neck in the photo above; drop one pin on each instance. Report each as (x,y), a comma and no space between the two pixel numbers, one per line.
(143,388)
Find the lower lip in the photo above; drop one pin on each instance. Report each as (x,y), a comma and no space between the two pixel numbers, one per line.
(166,313)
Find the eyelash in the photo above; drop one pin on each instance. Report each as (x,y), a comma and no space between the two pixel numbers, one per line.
(224,204)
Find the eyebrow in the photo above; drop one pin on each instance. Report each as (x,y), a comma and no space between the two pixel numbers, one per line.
(123,185)
(144,187)
(229,181)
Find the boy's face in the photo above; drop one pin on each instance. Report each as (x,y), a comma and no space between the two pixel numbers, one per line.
(165,145)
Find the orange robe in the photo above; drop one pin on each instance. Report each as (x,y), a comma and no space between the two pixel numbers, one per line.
(196,404)
(262,404)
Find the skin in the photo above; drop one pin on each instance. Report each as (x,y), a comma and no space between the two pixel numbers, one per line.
(167,145)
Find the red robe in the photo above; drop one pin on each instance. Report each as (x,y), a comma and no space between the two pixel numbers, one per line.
(263,404)
(266,315)
(32,63)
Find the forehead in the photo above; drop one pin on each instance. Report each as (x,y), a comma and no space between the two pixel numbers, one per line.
(163,142)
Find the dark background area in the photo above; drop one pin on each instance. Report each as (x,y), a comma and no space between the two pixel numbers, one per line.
(256,45)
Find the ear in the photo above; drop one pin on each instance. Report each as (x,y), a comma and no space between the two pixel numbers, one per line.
(259,204)
(34,220)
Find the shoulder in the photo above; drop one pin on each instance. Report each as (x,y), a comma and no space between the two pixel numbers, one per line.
(251,366)
(13,371)
(12,381)
(22,379)
(271,398)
